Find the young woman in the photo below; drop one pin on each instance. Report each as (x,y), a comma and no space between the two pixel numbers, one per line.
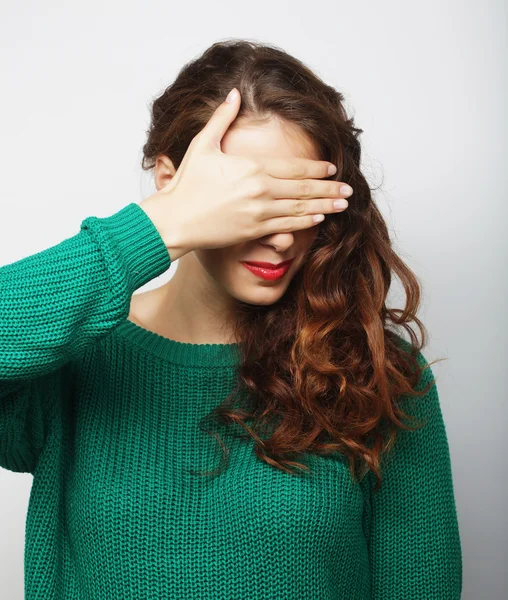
(246,430)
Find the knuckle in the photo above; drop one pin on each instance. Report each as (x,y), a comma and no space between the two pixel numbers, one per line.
(255,210)
(256,188)
(287,223)
(299,207)
(334,189)
(253,167)
(303,188)
(257,165)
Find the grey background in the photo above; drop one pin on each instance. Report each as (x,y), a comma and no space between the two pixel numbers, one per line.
(428,84)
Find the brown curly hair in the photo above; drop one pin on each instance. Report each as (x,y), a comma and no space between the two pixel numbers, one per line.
(321,369)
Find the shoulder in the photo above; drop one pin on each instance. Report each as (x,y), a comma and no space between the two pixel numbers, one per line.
(427,375)
(423,407)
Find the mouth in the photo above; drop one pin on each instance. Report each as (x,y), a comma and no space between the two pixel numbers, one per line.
(266,270)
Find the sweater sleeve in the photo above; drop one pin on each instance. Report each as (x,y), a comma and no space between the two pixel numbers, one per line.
(56,303)
(415,548)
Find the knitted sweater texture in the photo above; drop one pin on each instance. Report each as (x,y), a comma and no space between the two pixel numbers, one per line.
(104,414)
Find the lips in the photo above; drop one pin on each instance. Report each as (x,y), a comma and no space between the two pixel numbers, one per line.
(270,272)
(267,265)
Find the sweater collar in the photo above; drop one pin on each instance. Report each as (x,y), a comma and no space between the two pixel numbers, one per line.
(183,353)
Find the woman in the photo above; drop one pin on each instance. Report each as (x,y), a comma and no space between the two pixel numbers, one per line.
(239,432)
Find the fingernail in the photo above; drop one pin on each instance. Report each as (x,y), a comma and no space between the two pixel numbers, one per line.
(340,203)
(332,169)
(232,96)
(346,190)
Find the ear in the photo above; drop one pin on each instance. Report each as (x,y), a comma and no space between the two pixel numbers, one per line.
(164,171)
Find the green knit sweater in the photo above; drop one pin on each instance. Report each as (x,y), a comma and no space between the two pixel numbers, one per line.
(104,414)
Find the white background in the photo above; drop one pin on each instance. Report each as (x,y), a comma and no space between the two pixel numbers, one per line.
(428,84)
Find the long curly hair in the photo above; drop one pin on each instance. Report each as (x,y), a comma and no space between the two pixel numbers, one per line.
(322,368)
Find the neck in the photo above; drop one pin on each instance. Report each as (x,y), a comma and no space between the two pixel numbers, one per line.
(189,308)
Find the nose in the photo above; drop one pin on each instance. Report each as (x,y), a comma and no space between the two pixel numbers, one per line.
(278,241)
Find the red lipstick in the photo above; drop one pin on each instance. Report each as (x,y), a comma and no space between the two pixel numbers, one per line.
(269,271)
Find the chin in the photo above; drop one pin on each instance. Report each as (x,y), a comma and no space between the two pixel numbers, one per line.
(260,295)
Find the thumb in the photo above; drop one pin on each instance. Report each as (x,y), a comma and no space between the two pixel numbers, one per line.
(224,115)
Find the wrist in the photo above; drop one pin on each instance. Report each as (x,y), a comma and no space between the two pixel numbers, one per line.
(165,227)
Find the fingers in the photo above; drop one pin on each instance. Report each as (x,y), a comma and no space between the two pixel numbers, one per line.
(216,127)
(305,189)
(290,207)
(297,168)
(287,224)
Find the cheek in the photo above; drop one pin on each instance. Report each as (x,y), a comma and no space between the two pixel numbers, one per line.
(305,237)
(218,262)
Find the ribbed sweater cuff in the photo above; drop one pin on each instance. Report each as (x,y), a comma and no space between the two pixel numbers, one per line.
(138,243)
